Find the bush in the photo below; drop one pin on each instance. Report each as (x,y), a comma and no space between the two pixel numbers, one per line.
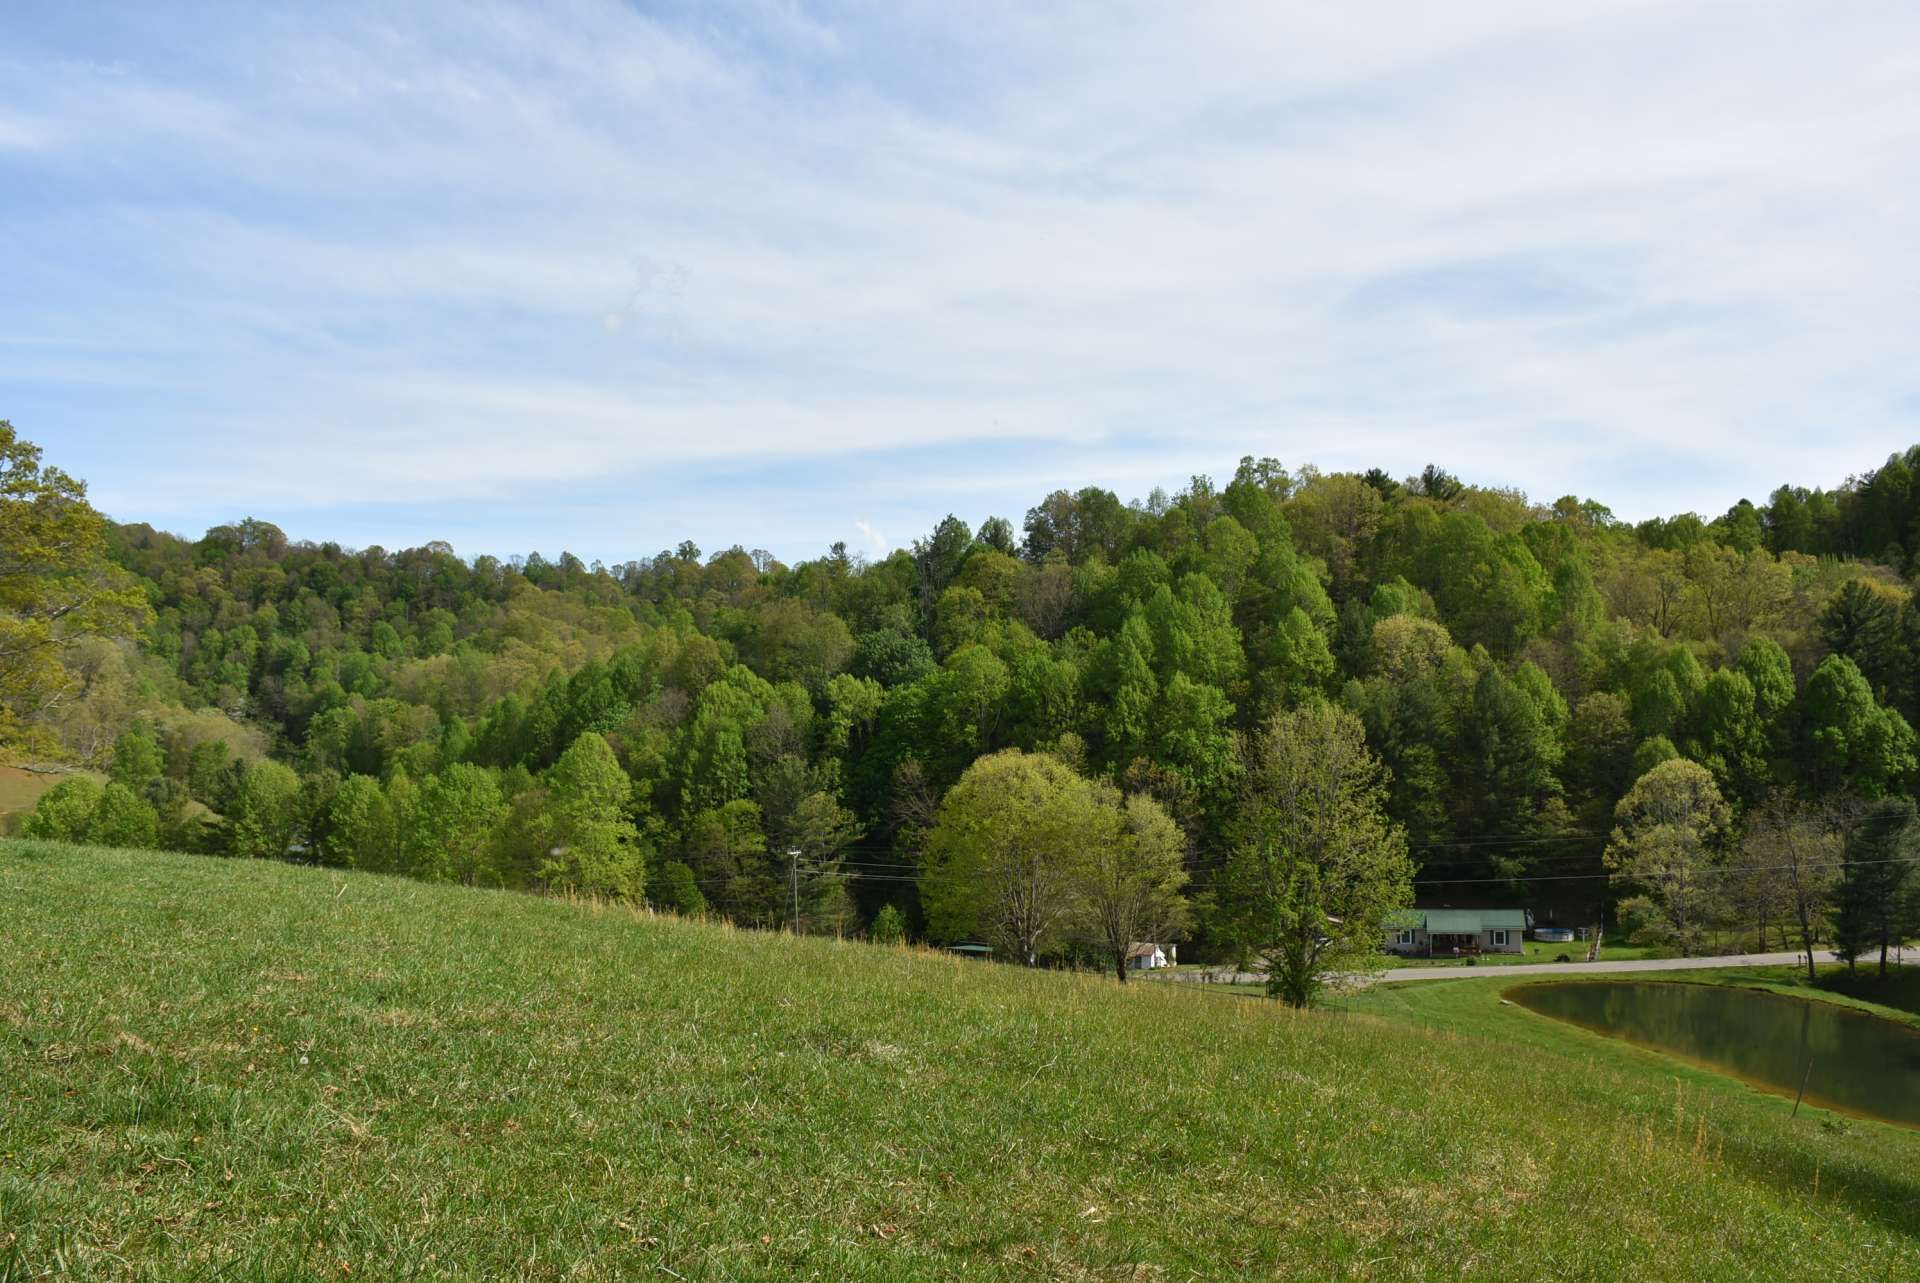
(64,811)
(123,818)
(674,888)
(888,926)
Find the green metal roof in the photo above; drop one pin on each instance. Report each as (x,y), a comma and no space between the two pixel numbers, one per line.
(1471,922)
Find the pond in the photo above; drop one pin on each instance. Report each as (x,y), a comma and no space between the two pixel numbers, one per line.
(1861,1064)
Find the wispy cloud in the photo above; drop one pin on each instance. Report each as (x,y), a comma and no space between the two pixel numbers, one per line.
(360,269)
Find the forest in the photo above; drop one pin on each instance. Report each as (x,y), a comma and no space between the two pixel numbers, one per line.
(772,743)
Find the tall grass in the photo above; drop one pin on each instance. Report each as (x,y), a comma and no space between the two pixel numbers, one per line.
(251,1071)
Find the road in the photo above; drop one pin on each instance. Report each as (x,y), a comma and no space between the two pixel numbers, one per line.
(1586,968)
(1497,971)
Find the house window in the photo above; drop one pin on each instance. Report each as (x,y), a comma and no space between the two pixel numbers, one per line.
(1405,937)
(1499,939)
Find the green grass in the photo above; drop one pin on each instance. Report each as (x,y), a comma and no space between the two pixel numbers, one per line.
(251,1071)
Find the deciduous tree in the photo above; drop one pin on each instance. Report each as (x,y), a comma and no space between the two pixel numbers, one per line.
(1314,868)
(1666,844)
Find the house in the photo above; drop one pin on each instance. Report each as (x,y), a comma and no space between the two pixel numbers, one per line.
(1144,955)
(1449,933)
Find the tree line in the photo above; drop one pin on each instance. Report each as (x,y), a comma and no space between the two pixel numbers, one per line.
(776,743)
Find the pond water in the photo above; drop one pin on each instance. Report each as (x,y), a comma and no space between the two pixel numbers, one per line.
(1860,1064)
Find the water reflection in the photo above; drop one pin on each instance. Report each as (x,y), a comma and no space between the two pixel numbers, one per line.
(1860,1063)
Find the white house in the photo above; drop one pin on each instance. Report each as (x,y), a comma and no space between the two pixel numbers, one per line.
(1449,933)
(1144,955)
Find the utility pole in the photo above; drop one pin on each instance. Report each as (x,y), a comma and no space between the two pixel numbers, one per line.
(793,858)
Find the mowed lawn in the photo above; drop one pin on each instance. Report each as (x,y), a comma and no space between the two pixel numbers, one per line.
(230,1070)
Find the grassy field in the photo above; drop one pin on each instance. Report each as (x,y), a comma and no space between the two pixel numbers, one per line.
(251,1071)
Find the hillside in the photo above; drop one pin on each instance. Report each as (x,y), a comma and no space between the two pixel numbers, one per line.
(729,725)
(251,1070)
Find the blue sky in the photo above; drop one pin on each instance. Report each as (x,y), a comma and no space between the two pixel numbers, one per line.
(604,276)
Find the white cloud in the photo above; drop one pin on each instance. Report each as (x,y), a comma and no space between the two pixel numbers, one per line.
(446,252)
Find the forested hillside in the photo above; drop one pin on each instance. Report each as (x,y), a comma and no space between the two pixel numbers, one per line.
(729,732)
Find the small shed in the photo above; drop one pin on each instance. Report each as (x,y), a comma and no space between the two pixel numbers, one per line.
(1145,955)
(1453,933)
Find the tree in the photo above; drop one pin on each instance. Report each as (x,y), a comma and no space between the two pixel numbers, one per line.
(64,811)
(889,927)
(1862,623)
(1790,844)
(1666,840)
(138,762)
(820,830)
(263,815)
(1509,751)
(123,818)
(455,816)
(674,887)
(1851,741)
(360,829)
(1005,857)
(1874,899)
(1130,883)
(727,849)
(1730,735)
(592,849)
(56,586)
(1314,867)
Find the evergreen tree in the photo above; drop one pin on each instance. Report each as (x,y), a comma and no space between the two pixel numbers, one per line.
(1874,902)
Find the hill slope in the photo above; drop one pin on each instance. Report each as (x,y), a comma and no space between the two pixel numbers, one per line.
(257,1071)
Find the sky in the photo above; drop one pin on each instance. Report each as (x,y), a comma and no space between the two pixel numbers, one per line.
(601,276)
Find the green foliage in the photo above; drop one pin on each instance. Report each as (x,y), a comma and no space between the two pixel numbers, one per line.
(1651,752)
(1515,667)
(1007,852)
(362,833)
(673,887)
(263,815)
(64,811)
(56,587)
(1131,882)
(1315,869)
(122,818)
(1667,841)
(138,763)
(452,824)
(1876,901)
(727,848)
(593,849)
(889,926)
(1851,740)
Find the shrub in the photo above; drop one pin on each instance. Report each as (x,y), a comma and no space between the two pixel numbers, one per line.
(64,811)
(888,926)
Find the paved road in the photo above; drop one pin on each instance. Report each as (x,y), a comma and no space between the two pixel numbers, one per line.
(1643,964)
(1499,972)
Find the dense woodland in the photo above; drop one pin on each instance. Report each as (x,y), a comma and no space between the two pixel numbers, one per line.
(730,734)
